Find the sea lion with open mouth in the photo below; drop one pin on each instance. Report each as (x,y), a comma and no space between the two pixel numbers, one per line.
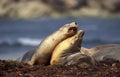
(67,52)
(42,54)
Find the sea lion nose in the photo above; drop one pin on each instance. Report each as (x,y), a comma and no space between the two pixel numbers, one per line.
(75,23)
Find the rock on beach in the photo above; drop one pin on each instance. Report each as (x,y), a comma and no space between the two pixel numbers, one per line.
(58,8)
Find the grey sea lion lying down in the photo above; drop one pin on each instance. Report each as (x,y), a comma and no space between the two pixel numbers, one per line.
(93,50)
(102,52)
(106,51)
(42,53)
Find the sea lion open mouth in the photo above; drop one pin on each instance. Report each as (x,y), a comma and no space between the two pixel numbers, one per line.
(73,29)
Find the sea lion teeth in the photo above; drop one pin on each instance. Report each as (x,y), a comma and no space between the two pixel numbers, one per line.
(66,48)
(42,53)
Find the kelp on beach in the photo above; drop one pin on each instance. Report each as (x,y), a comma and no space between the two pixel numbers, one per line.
(106,68)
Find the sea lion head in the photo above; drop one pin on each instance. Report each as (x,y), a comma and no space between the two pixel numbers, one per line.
(69,29)
(70,45)
(76,40)
(78,36)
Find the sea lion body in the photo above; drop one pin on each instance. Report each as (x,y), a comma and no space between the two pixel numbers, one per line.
(42,53)
(91,51)
(67,52)
(106,51)
(86,51)
(102,52)
(101,47)
(81,59)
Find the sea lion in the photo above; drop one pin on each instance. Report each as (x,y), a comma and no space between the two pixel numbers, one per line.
(102,52)
(101,47)
(82,59)
(42,53)
(91,51)
(67,52)
(106,51)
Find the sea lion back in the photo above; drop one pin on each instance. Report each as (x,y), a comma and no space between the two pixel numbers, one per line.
(107,51)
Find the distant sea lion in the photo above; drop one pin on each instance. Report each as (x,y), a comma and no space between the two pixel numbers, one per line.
(67,52)
(42,54)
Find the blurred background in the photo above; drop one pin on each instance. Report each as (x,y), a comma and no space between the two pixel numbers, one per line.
(24,23)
